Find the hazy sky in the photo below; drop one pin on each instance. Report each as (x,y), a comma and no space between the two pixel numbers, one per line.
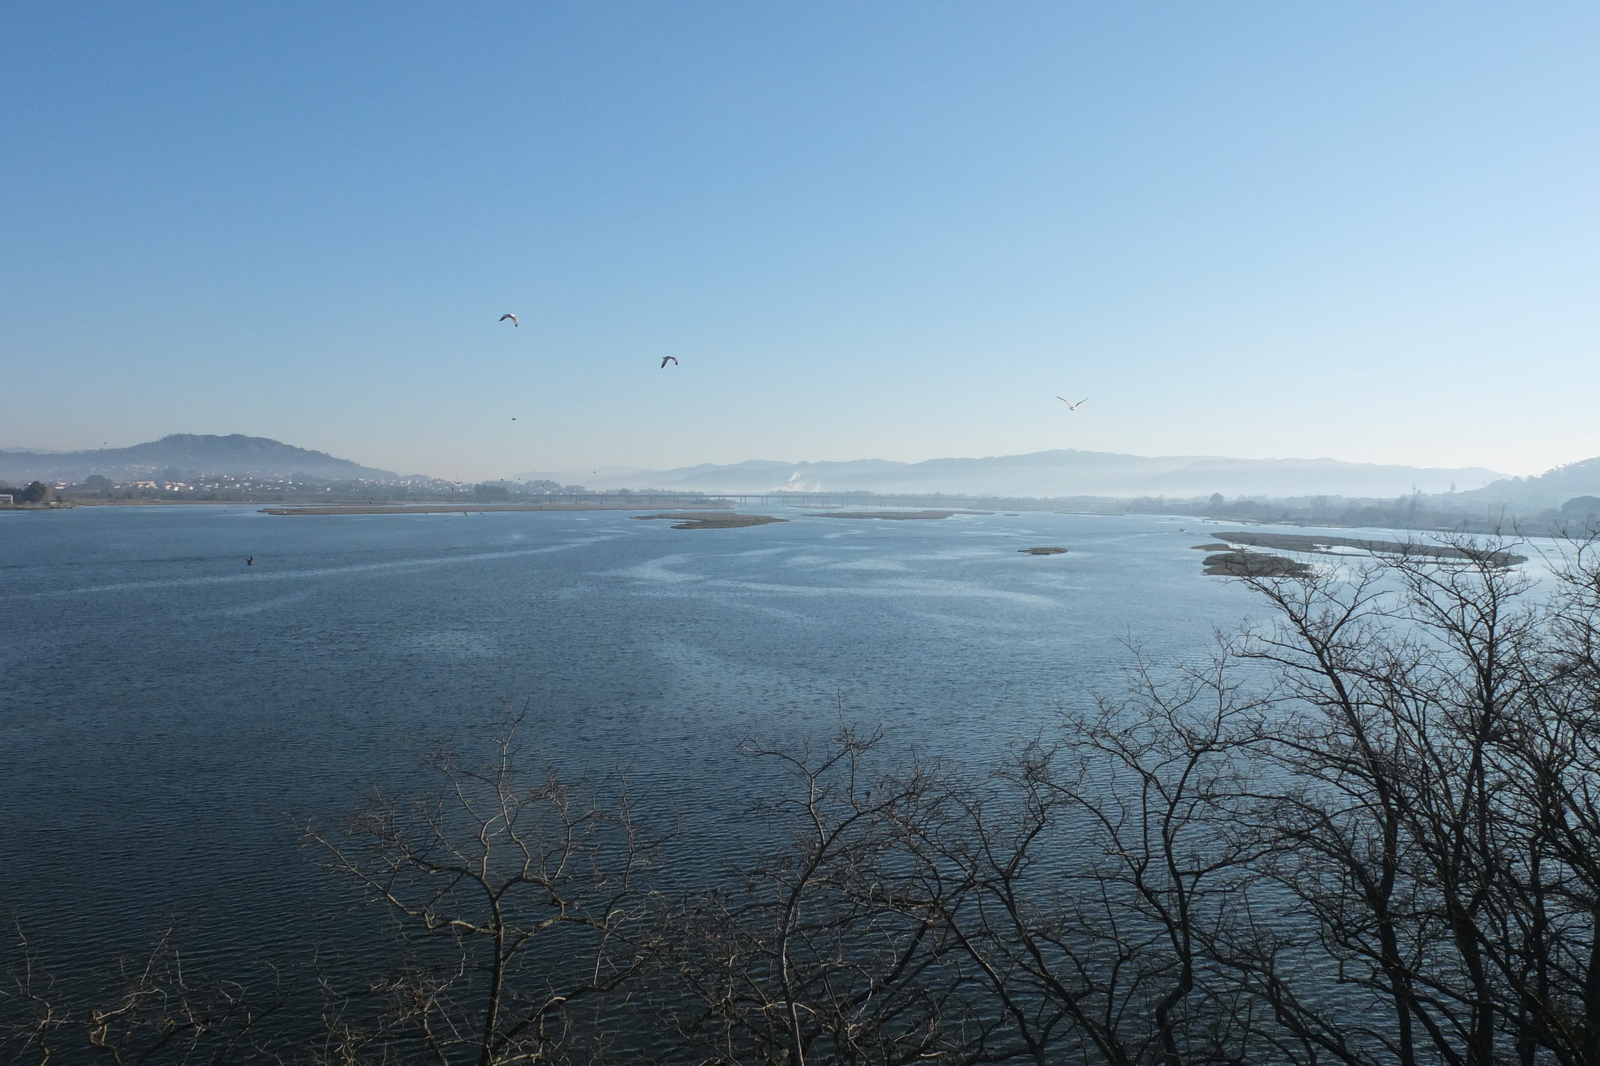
(866,229)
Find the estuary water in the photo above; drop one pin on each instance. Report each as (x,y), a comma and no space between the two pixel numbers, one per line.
(166,709)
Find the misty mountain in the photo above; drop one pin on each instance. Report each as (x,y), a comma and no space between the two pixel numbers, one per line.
(1545,491)
(1062,472)
(193,454)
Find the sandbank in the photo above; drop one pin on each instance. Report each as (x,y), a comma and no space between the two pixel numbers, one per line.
(713,520)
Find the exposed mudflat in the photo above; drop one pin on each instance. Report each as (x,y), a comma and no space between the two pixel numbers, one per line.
(1253,564)
(1319,544)
(898,516)
(710,520)
(1042,551)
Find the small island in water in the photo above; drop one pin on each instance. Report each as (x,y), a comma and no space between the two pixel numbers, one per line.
(1253,564)
(1323,544)
(710,520)
(897,516)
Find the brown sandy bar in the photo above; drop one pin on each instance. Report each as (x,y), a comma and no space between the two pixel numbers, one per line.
(897,516)
(445,508)
(1319,545)
(712,520)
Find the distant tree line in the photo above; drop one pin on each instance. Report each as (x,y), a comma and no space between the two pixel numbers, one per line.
(33,492)
(532,487)
(230,489)
(1365,833)
(1417,511)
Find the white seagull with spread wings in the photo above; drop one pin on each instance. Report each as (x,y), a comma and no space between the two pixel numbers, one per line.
(1073,406)
(513,318)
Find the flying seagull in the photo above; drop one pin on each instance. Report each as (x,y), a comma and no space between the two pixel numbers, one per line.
(665,359)
(513,318)
(1073,406)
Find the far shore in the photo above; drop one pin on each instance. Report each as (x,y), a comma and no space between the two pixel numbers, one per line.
(897,516)
(479,508)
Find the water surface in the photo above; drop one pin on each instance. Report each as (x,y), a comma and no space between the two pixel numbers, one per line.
(164,705)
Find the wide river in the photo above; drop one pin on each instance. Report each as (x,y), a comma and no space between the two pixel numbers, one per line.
(166,709)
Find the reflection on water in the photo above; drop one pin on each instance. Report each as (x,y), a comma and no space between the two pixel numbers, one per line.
(164,706)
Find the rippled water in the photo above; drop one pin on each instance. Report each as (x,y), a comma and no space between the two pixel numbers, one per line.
(164,706)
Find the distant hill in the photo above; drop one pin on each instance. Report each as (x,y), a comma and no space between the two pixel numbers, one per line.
(1546,491)
(189,453)
(1053,473)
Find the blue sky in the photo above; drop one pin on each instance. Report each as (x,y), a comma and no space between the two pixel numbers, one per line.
(1361,230)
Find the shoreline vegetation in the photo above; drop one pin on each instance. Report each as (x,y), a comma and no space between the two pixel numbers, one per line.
(1404,516)
(205,468)
(1321,544)
(1253,564)
(478,508)
(712,514)
(1234,559)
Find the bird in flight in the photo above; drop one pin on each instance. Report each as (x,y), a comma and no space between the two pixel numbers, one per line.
(665,359)
(513,318)
(1073,406)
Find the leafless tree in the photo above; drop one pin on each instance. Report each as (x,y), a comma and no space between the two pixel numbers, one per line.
(150,1009)
(1115,870)
(31,1014)
(1436,784)
(517,912)
(830,945)
(1368,832)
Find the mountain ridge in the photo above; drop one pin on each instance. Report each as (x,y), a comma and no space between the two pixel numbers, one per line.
(1054,473)
(1059,472)
(1549,489)
(192,453)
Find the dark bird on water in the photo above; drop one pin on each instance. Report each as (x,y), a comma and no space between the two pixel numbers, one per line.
(1073,406)
(665,359)
(513,318)
(250,561)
